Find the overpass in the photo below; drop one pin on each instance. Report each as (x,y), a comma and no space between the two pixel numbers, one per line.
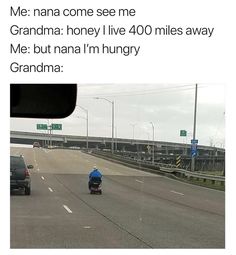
(121,144)
(165,152)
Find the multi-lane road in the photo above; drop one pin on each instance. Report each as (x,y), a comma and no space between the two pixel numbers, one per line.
(136,210)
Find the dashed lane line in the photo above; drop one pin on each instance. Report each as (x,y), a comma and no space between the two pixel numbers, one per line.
(67,208)
(87,227)
(102,214)
(139,181)
(178,193)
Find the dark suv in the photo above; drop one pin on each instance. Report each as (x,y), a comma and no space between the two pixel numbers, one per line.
(19,173)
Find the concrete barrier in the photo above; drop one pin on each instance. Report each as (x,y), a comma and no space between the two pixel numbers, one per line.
(163,169)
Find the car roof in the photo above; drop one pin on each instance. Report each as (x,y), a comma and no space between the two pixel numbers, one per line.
(17,156)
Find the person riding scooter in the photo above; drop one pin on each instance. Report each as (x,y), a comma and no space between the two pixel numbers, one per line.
(94,175)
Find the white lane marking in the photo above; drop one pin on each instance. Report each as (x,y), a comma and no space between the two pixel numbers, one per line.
(139,181)
(46,150)
(179,193)
(42,178)
(38,169)
(87,227)
(67,208)
(50,189)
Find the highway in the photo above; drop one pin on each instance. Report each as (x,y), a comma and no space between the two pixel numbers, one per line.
(136,210)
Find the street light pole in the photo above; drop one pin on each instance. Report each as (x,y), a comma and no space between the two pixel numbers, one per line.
(194,128)
(153,150)
(112,121)
(112,142)
(148,138)
(48,134)
(116,138)
(86,111)
(133,125)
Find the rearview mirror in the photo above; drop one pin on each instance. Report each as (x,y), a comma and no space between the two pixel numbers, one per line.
(42,100)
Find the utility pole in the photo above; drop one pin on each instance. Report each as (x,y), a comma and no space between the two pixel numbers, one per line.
(153,146)
(194,130)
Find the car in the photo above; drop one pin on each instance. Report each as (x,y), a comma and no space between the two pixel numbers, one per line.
(36,144)
(19,174)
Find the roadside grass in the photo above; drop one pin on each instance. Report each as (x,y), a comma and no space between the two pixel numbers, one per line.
(213,172)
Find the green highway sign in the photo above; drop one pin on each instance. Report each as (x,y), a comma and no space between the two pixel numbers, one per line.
(42,126)
(183,133)
(56,126)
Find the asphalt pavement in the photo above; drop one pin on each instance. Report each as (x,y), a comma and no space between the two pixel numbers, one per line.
(136,210)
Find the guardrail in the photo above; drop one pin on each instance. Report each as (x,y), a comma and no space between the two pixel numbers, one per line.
(204,177)
(161,168)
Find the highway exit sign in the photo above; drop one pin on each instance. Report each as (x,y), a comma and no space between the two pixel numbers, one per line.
(42,126)
(183,133)
(56,126)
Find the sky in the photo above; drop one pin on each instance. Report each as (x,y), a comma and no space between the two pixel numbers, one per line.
(170,107)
